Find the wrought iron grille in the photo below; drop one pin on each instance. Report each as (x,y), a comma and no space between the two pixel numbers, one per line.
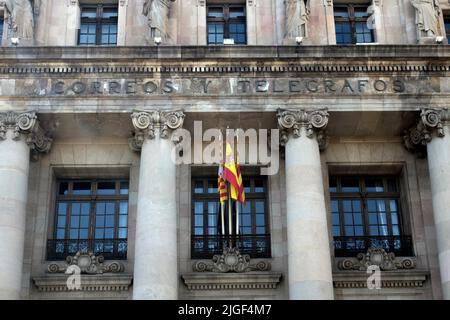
(351,246)
(109,248)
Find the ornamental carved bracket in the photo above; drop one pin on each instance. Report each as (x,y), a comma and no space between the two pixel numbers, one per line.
(431,121)
(147,124)
(231,261)
(314,123)
(27,125)
(88,264)
(378,257)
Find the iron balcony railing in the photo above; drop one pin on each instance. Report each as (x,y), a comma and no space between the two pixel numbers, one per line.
(109,248)
(351,246)
(205,247)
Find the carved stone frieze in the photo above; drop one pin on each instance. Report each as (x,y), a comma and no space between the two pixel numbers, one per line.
(25,124)
(88,264)
(314,122)
(231,261)
(431,121)
(147,123)
(378,257)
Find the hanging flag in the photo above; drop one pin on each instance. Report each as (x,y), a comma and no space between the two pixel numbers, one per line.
(230,174)
(222,186)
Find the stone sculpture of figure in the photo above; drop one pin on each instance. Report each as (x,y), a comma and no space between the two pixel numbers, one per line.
(427,17)
(157,12)
(297,15)
(20,18)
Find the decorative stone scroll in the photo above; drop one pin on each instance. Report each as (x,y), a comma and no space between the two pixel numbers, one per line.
(25,124)
(231,261)
(378,257)
(147,123)
(314,123)
(416,138)
(88,264)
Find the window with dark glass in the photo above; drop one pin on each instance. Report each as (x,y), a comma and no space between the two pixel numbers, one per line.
(91,215)
(351,24)
(98,25)
(447,28)
(254,233)
(366,212)
(226,22)
(1,29)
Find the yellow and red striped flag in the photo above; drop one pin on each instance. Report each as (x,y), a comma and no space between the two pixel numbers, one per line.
(221,186)
(232,174)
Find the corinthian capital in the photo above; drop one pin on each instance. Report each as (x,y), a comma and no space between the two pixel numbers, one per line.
(431,121)
(312,122)
(147,123)
(25,125)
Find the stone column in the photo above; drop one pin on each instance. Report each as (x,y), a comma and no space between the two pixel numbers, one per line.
(18,132)
(155,266)
(433,130)
(309,256)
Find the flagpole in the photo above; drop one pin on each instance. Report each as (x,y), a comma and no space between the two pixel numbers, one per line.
(222,203)
(230,217)
(237,202)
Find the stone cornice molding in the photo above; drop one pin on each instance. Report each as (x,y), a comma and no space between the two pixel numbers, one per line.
(389,279)
(314,122)
(25,124)
(431,121)
(147,123)
(231,281)
(89,283)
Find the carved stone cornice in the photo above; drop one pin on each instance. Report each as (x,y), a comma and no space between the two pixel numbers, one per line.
(389,279)
(231,261)
(88,264)
(231,281)
(146,123)
(377,257)
(431,121)
(25,124)
(314,123)
(89,283)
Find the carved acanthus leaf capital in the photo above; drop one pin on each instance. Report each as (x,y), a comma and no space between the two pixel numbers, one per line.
(313,122)
(148,124)
(431,121)
(25,124)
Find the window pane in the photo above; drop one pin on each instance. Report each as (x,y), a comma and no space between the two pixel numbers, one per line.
(109,221)
(83,233)
(73,234)
(99,233)
(212,186)
(349,185)
(84,222)
(124,187)
(85,209)
(259,186)
(260,221)
(198,187)
(100,208)
(82,188)
(76,208)
(237,12)
(100,221)
(333,184)
(335,218)
(260,230)
(63,188)
(215,12)
(199,220)
(123,221)
(89,13)
(106,188)
(246,220)
(123,208)
(109,233)
(259,207)
(374,185)
(74,221)
(123,233)
(198,208)
(61,221)
(341,12)
(60,234)
(336,231)
(110,13)
(110,208)
(62,208)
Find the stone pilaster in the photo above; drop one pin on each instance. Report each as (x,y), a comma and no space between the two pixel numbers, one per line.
(18,133)
(155,267)
(309,256)
(433,132)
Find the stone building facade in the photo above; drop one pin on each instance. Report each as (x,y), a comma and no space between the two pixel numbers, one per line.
(357,93)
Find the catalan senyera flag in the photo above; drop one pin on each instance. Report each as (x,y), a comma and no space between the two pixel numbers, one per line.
(232,174)
(222,186)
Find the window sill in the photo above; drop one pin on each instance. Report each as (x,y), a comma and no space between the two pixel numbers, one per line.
(231,281)
(389,279)
(104,282)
